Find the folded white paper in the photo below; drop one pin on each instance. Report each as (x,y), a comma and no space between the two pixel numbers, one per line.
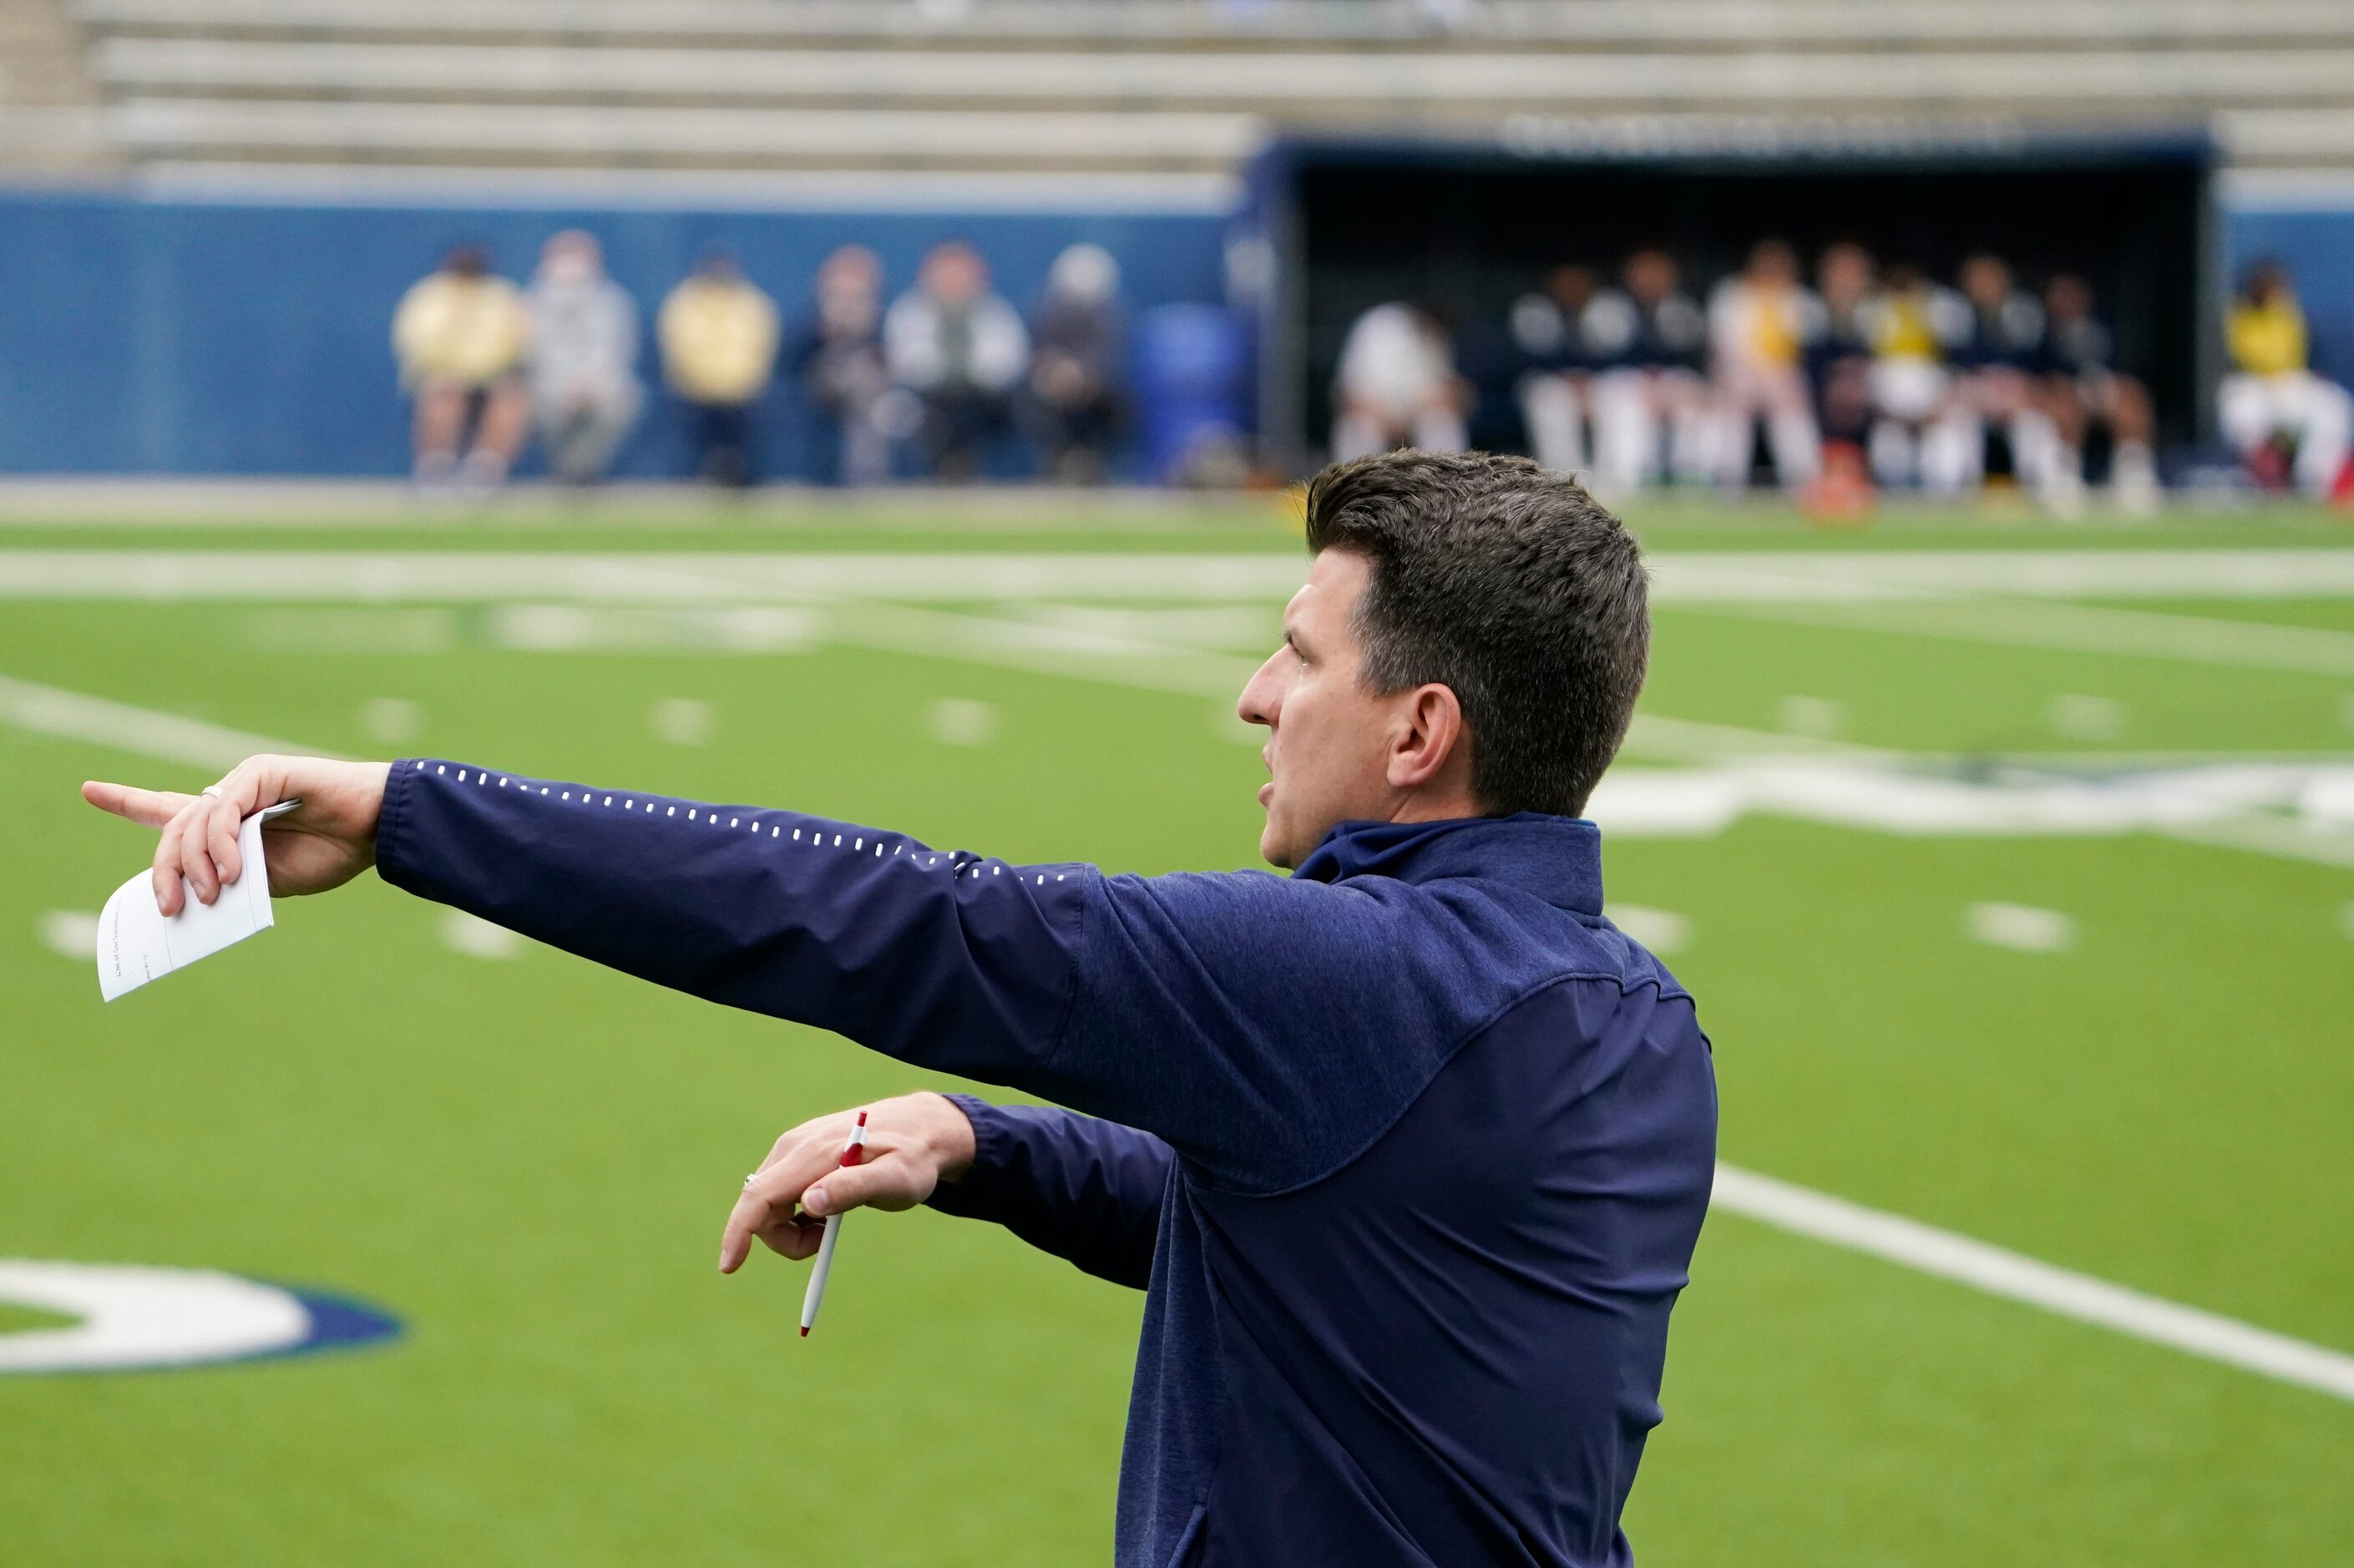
(136,943)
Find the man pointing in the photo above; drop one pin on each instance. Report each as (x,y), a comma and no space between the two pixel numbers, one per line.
(1409,1149)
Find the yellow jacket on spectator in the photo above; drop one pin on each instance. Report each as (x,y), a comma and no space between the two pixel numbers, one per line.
(1905,326)
(2267,339)
(718,340)
(472,331)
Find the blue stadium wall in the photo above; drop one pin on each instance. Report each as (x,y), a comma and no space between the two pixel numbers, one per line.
(153,337)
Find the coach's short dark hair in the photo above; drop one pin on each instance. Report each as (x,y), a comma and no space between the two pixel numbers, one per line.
(1512,587)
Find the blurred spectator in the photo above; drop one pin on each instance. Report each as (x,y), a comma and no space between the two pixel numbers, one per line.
(1994,360)
(2288,423)
(1078,341)
(838,354)
(460,335)
(1397,385)
(584,354)
(961,351)
(1839,368)
(1648,344)
(1557,363)
(1918,433)
(719,338)
(1760,322)
(2085,396)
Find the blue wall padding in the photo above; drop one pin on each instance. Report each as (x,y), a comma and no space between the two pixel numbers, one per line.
(184,337)
(160,337)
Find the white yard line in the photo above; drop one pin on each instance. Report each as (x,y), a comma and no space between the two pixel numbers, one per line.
(380,576)
(2086,629)
(1075,652)
(143,732)
(2017,1277)
(1849,576)
(1679,578)
(2290,838)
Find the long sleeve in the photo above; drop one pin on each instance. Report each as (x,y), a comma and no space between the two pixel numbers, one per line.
(936,959)
(1266,1028)
(1088,1191)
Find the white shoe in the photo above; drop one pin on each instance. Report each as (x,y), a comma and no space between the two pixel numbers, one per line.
(2133,483)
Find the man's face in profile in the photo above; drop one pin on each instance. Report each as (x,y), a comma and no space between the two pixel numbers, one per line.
(1328,738)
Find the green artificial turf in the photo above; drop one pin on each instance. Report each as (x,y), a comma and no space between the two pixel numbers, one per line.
(15,1320)
(528,1161)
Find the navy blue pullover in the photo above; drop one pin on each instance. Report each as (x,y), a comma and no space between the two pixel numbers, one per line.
(1410,1150)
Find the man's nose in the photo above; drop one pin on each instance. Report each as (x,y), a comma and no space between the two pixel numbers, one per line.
(1262,694)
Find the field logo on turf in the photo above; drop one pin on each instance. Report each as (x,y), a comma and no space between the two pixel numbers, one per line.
(128,1317)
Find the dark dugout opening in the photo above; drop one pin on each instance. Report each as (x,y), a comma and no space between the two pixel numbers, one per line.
(1471,229)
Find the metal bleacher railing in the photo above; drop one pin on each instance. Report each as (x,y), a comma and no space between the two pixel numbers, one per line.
(1176,91)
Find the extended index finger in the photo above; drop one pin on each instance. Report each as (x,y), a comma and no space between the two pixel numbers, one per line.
(752,1213)
(772,1194)
(149,808)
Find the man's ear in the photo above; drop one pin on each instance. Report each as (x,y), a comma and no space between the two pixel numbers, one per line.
(1431,745)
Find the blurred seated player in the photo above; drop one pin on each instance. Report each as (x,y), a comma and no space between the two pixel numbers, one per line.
(1995,361)
(1648,344)
(1557,365)
(460,335)
(2291,425)
(717,332)
(1919,435)
(1078,342)
(1397,386)
(2086,397)
(838,356)
(1838,371)
(584,354)
(958,350)
(1760,321)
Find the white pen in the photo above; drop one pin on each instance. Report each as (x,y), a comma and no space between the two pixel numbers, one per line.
(852,1153)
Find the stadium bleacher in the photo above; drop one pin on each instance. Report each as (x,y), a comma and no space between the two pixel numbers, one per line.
(1159,97)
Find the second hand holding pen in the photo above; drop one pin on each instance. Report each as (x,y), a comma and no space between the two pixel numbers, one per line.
(852,1153)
